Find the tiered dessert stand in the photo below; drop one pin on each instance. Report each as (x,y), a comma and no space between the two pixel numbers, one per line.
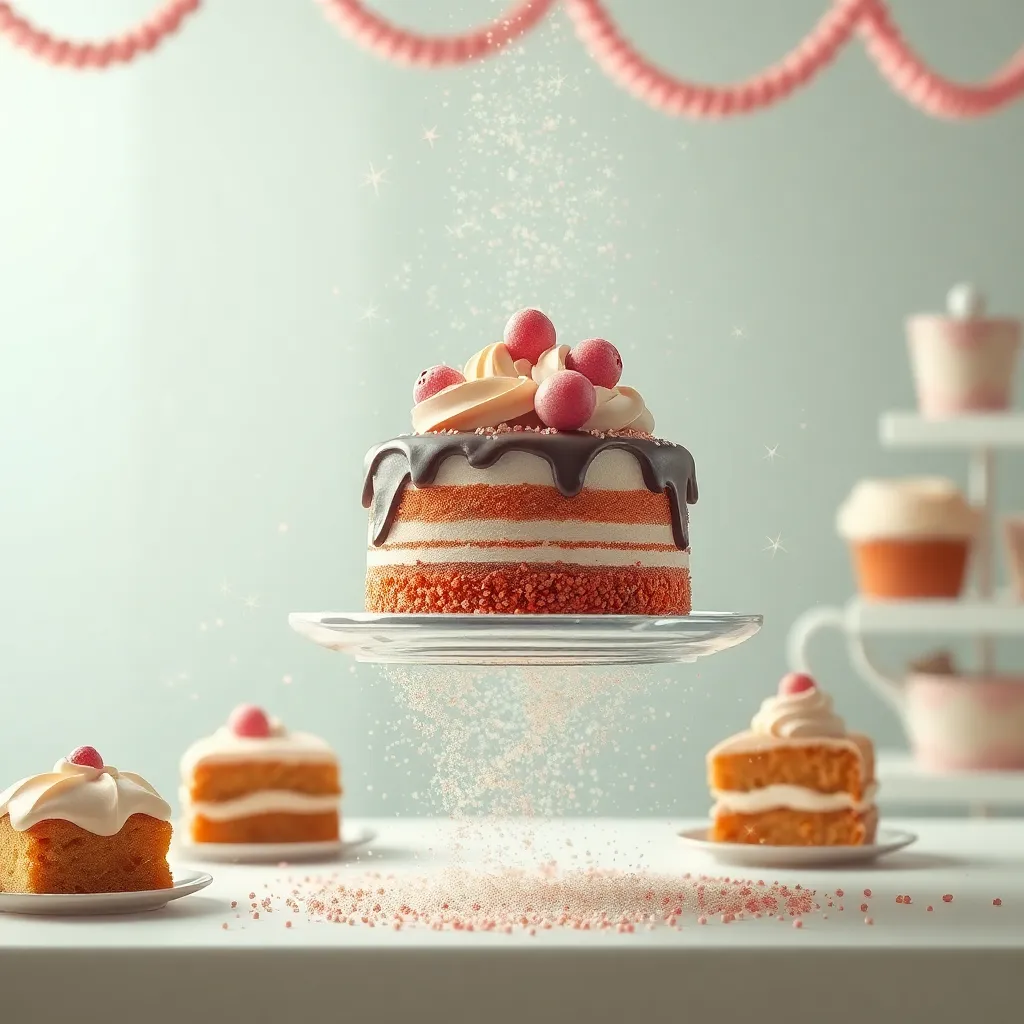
(981,614)
(525,639)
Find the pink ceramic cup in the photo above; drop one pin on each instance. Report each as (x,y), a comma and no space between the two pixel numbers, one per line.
(963,362)
(965,723)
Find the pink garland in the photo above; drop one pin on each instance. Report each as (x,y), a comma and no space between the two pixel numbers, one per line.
(896,61)
(121,50)
(405,47)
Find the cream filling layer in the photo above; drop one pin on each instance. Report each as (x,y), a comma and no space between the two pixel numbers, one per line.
(545,531)
(551,552)
(791,798)
(612,470)
(266,801)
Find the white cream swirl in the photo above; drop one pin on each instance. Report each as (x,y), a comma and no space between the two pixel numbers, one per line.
(99,800)
(807,714)
(492,361)
(620,408)
(550,362)
(485,402)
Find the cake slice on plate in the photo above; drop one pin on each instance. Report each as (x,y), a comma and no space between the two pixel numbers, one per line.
(85,827)
(253,781)
(796,777)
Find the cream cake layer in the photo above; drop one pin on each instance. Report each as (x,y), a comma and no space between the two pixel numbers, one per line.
(789,797)
(267,801)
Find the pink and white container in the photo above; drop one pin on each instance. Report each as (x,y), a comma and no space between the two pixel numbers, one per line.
(963,362)
(965,723)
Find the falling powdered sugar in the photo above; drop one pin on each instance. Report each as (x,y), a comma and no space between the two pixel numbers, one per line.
(516,742)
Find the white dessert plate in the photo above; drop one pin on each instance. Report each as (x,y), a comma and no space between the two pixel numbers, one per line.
(887,840)
(525,639)
(103,903)
(270,853)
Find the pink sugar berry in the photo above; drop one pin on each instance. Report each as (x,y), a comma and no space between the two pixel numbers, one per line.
(435,379)
(528,333)
(88,756)
(598,360)
(794,683)
(250,721)
(565,400)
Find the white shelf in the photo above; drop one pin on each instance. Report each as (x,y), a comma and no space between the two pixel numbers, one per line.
(901,781)
(992,430)
(964,617)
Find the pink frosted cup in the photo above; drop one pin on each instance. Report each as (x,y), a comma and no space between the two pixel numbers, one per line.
(963,362)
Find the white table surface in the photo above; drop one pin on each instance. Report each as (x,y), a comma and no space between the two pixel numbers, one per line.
(965,956)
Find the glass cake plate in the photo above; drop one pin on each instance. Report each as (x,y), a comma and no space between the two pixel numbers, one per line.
(525,639)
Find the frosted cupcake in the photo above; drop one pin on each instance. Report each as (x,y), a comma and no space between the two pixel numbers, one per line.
(908,538)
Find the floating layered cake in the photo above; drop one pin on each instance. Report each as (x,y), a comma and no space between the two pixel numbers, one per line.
(85,827)
(796,777)
(253,781)
(532,484)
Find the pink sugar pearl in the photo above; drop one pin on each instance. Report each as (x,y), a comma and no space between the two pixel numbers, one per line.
(565,400)
(529,333)
(598,360)
(250,721)
(88,756)
(794,683)
(433,380)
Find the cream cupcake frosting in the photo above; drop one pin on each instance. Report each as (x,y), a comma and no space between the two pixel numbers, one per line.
(916,507)
(85,792)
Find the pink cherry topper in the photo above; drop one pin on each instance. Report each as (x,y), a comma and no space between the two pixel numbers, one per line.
(598,360)
(528,334)
(87,756)
(249,721)
(796,683)
(565,400)
(433,380)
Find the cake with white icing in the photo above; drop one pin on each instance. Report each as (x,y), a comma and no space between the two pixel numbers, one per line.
(254,781)
(84,827)
(796,777)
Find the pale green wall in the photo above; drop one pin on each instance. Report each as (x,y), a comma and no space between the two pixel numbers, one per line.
(186,250)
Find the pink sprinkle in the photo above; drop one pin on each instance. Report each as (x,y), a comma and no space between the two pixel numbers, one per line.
(899,899)
(929,908)
(997,902)
(867,892)
(839,892)
(948,898)
(234,903)
(869,920)
(287,924)
(798,923)
(255,915)
(225,926)
(703,920)
(252,895)
(863,907)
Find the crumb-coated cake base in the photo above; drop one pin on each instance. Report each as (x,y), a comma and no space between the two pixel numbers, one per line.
(268,828)
(56,856)
(528,589)
(784,827)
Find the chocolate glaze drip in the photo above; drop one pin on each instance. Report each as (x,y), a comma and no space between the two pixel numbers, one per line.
(666,467)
